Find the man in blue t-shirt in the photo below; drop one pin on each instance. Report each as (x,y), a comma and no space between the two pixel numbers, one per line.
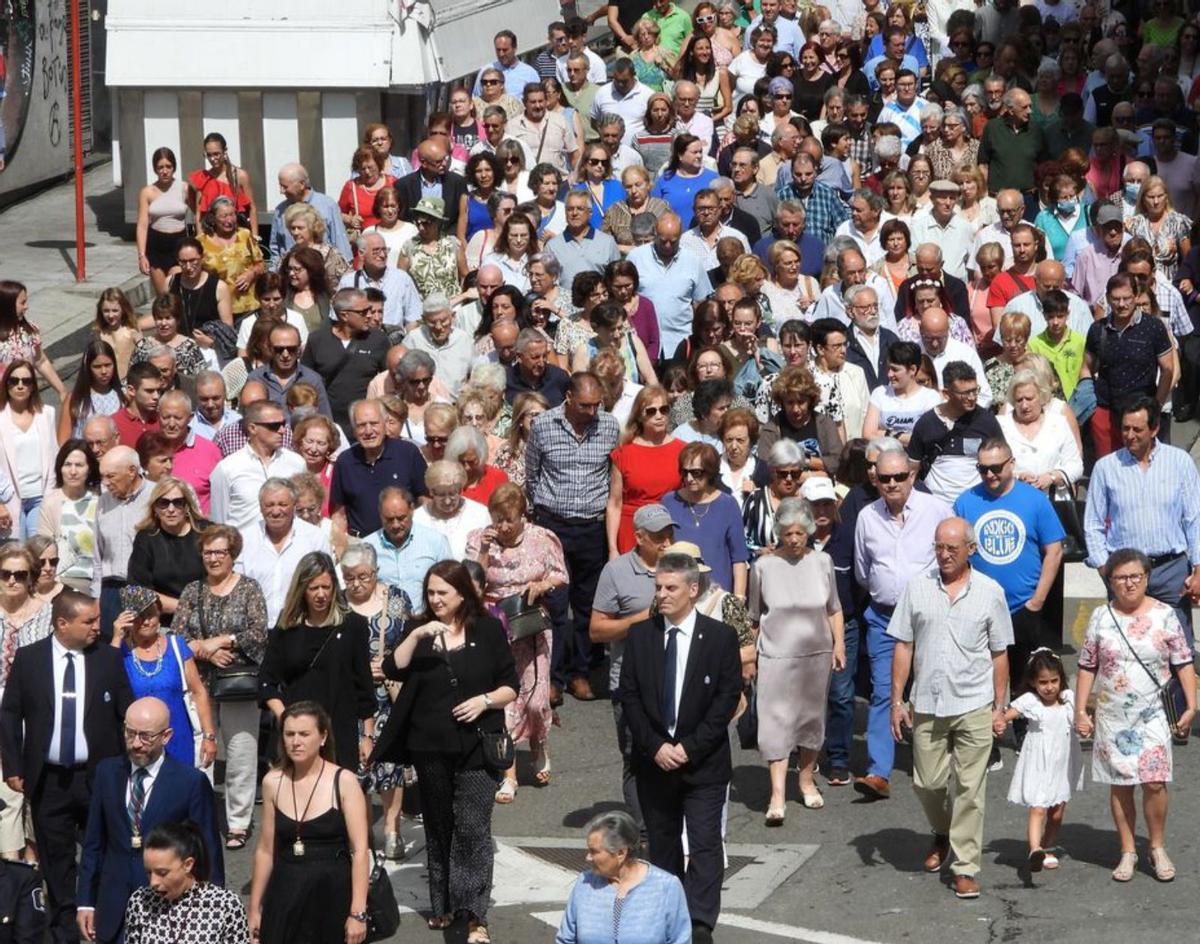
(1019,544)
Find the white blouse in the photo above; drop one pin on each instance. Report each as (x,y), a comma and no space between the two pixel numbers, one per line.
(1053,448)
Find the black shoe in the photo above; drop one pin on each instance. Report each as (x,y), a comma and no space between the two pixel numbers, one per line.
(838,777)
(701,934)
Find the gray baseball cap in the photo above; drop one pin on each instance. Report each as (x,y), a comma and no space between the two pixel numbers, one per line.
(653,518)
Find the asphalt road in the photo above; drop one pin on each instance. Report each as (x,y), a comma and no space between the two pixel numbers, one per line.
(848,873)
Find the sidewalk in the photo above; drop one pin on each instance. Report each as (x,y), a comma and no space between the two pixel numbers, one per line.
(39,250)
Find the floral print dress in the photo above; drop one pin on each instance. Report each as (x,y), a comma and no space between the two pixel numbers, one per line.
(1132,739)
(76,541)
(387,627)
(434,269)
(1174,227)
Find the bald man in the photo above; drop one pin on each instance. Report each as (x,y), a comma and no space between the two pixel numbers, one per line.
(124,501)
(674,279)
(954,722)
(1049,276)
(469,313)
(131,795)
(101,435)
(295,186)
(432,178)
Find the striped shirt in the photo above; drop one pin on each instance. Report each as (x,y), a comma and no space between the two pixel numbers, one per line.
(113,532)
(889,551)
(953,642)
(567,474)
(1156,510)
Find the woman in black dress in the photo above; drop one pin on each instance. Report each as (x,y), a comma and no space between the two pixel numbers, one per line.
(313,860)
(319,653)
(166,548)
(458,674)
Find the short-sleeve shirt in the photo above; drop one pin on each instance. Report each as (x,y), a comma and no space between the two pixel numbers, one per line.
(1010,156)
(947,453)
(356,484)
(625,587)
(1011,530)
(1127,360)
(347,368)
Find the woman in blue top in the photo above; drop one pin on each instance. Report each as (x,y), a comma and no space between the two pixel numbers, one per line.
(898,15)
(623,898)
(161,665)
(684,177)
(596,171)
(1064,217)
(484,174)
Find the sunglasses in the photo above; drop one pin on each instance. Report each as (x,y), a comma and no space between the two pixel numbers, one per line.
(420,381)
(164,503)
(286,348)
(706,18)
(49,562)
(21,576)
(789,473)
(994,469)
(598,161)
(656,411)
(274,426)
(18,381)
(693,473)
(896,477)
(489,81)
(437,440)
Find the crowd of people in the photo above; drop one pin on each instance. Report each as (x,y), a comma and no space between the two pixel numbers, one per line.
(785,358)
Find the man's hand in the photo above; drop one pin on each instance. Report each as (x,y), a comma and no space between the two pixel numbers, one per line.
(16,784)
(86,919)
(681,755)
(665,757)
(1034,605)
(999,722)
(1191,586)
(901,716)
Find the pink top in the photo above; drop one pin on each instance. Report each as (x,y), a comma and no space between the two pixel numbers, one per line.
(194,463)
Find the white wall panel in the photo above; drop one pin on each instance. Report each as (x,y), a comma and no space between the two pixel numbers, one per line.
(281,140)
(161,121)
(221,116)
(339,138)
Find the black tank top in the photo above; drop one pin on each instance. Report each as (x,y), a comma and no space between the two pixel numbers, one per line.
(199,304)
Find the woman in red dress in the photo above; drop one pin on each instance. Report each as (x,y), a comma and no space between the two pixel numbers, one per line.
(222,179)
(645,466)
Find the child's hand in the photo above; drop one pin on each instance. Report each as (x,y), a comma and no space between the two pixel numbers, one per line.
(1083,724)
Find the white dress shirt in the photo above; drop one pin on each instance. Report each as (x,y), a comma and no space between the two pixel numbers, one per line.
(832,304)
(956,239)
(152,771)
(683,645)
(59,653)
(238,477)
(631,106)
(956,350)
(273,568)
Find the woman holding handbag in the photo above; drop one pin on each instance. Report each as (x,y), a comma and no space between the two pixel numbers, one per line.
(523,563)
(385,608)
(224,620)
(458,676)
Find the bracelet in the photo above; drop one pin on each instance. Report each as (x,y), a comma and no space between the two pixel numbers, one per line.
(897,704)
(208,736)
(359,916)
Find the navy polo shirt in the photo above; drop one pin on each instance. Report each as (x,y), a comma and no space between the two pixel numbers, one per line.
(356,484)
(555,382)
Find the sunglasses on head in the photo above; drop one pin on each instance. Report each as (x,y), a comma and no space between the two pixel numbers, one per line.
(886,477)
(163,504)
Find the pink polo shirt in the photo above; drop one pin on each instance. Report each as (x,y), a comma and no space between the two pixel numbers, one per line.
(194,463)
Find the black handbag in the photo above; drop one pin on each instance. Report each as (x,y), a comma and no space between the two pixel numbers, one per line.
(523,620)
(235,682)
(1070,513)
(1166,693)
(383,914)
(499,752)
(747,723)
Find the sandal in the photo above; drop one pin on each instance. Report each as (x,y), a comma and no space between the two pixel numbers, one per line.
(1164,868)
(440,922)
(1050,862)
(775,816)
(813,800)
(1125,868)
(507,792)
(542,777)
(1037,860)
(478,934)
(237,839)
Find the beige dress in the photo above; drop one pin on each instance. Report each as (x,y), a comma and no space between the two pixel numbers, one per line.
(792,603)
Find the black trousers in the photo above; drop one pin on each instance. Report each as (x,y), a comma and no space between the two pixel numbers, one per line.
(1027,636)
(60,808)
(585,547)
(667,803)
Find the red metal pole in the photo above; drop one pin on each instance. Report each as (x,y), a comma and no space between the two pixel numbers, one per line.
(77,122)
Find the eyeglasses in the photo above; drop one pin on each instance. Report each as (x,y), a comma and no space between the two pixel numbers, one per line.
(359,578)
(947,548)
(693,473)
(789,473)
(656,411)
(163,504)
(1133,579)
(215,552)
(994,469)
(274,426)
(149,737)
(887,478)
(21,576)
(20,380)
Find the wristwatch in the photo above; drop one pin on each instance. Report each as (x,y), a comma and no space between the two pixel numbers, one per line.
(206,736)
(487,699)
(359,916)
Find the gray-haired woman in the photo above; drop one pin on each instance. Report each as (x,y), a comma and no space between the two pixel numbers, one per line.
(794,603)
(601,909)
(447,511)
(469,448)
(385,609)
(788,467)
(413,376)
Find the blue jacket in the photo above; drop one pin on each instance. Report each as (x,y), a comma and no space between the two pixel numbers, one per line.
(110,869)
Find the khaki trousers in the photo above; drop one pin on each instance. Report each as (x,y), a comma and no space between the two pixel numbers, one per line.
(955,812)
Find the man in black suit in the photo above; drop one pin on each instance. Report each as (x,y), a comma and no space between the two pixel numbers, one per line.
(680,681)
(867,344)
(928,259)
(62,713)
(130,796)
(432,179)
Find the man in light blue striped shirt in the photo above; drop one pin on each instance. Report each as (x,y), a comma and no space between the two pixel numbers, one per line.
(1147,496)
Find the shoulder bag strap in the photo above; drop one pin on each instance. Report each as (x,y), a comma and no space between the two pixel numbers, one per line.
(320,652)
(1133,652)
(542,140)
(173,641)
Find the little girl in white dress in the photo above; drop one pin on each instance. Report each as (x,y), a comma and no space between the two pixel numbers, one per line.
(1049,769)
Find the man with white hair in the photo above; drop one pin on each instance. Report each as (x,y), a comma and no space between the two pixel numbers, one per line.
(1010,206)
(866,208)
(402,304)
(754,198)
(213,412)
(1012,145)
(941,225)
(1133,175)
(1098,106)
(295,186)
(776,168)
(702,238)
(852,270)
(823,208)
(687,97)
(610,129)
(101,435)
(450,347)
(195,457)
(868,342)
(124,502)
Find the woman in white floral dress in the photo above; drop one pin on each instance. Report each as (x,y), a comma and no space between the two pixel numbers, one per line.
(1128,654)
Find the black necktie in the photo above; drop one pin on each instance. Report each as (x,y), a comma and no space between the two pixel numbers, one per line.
(668,701)
(66,731)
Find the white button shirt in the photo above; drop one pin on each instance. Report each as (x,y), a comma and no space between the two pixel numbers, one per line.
(59,652)
(683,646)
(273,568)
(956,240)
(238,477)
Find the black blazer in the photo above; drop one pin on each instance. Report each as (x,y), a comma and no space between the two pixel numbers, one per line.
(876,371)
(454,186)
(490,667)
(27,712)
(711,685)
(960,301)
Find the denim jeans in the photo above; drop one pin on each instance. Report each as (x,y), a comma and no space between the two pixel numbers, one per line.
(881,746)
(31,510)
(839,713)
(1083,400)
